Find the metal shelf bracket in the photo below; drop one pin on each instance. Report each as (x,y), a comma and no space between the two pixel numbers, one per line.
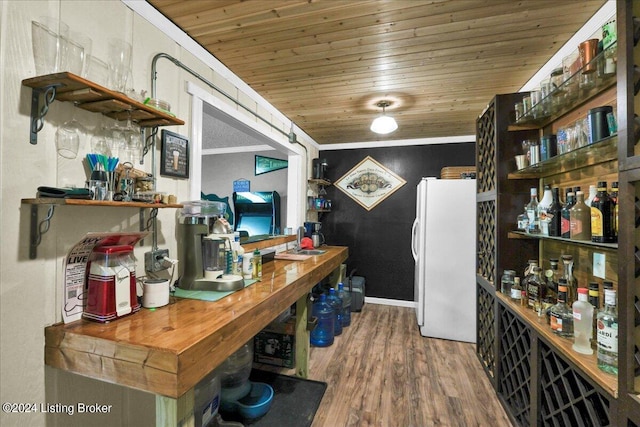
(37,113)
(38,228)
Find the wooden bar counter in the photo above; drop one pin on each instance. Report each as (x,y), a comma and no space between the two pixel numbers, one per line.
(166,351)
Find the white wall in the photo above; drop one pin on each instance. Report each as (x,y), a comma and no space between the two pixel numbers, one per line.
(219,171)
(30,289)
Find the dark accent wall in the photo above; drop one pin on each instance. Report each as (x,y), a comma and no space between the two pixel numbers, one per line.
(379,240)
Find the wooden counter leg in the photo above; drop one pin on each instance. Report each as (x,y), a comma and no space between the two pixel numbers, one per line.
(302,337)
(175,412)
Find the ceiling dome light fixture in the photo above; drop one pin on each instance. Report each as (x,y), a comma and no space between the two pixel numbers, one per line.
(383,124)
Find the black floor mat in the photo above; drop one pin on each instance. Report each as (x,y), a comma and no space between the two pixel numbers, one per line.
(295,401)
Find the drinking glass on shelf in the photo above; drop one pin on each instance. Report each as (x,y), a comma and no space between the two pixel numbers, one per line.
(68,137)
(97,71)
(47,36)
(133,143)
(76,49)
(582,130)
(119,64)
(115,139)
(98,141)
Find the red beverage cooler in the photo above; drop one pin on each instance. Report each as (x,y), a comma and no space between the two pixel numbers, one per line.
(111,284)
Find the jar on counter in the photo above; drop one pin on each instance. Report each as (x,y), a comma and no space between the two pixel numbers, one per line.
(506,281)
(144,183)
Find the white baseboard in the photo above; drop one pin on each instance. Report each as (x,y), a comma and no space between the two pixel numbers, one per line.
(386,301)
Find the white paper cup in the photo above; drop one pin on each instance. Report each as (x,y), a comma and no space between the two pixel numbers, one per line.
(155,293)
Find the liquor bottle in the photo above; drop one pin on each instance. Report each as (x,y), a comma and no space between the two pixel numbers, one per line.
(523,220)
(543,208)
(582,323)
(594,300)
(561,314)
(602,216)
(551,282)
(516,290)
(614,197)
(554,214)
(566,193)
(580,219)
(569,279)
(608,334)
(552,275)
(593,190)
(565,222)
(536,291)
(533,213)
(527,275)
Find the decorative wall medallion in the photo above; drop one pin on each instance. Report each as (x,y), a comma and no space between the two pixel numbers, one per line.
(369,183)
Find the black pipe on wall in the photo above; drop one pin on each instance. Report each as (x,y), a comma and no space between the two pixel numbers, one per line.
(379,240)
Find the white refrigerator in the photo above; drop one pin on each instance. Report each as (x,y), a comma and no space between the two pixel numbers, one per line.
(443,243)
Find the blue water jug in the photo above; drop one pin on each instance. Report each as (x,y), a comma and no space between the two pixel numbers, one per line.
(322,335)
(346,305)
(336,303)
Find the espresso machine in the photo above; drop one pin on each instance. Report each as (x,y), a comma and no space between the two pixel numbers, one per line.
(204,240)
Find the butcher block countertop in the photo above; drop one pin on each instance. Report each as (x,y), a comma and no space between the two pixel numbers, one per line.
(166,351)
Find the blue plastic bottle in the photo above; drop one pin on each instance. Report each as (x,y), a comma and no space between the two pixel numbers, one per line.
(346,305)
(336,303)
(322,335)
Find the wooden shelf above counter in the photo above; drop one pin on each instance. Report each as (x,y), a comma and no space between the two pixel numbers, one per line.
(98,99)
(107,203)
(92,97)
(168,350)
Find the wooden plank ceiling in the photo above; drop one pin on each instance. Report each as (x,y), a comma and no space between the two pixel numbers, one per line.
(326,63)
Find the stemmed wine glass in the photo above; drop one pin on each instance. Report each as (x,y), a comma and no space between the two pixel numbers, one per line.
(99,140)
(133,142)
(115,139)
(68,137)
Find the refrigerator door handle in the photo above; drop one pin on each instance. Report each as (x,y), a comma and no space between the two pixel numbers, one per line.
(414,240)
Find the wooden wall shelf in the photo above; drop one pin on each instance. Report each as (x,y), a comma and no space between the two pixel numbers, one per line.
(104,203)
(523,235)
(91,97)
(39,227)
(599,152)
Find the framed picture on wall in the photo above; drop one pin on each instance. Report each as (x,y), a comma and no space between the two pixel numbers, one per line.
(174,157)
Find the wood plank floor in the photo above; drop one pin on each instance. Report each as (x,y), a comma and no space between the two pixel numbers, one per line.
(382,372)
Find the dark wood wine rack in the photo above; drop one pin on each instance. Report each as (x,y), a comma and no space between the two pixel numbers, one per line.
(538,378)
(514,382)
(568,398)
(486,330)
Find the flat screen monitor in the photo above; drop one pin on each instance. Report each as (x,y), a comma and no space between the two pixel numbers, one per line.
(254,224)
